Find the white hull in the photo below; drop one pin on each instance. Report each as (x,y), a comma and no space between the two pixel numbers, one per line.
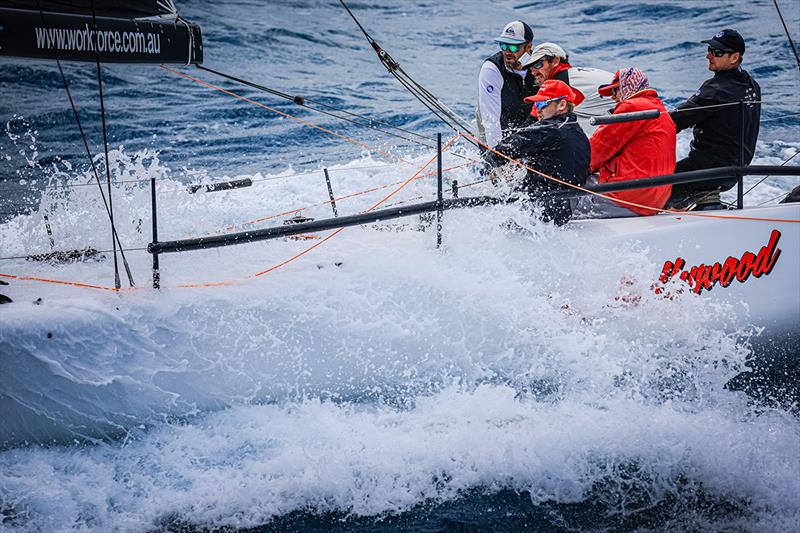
(773,298)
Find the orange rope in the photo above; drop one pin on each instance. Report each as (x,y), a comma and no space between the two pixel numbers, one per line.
(224,283)
(375,206)
(601,195)
(61,282)
(259,104)
(345,197)
(418,174)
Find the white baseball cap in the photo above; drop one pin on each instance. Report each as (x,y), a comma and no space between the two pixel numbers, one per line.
(545,50)
(516,32)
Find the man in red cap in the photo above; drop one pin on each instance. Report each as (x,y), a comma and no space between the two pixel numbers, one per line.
(630,150)
(553,144)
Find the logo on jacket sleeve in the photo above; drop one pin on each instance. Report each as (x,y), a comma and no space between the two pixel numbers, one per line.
(490,88)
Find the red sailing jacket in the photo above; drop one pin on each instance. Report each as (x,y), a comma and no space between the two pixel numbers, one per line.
(639,149)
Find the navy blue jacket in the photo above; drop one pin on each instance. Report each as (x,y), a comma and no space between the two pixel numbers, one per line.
(557,147)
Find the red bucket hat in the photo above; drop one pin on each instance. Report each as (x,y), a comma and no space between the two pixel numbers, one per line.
(555,89)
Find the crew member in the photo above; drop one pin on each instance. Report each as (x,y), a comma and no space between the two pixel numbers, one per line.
(554,144)
(548,61)
(717,129)
(503,84)
(630,150)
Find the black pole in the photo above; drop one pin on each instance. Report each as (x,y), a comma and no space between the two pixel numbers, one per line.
(439,191)
(49,232)
(625,117)
(330,193)
(117,283)
(156,273)
(229,239)
(740,177)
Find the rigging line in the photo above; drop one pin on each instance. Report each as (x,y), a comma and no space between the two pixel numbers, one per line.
(392,66)
(300,100)
(114,234)
(765,177)
(791,43)
(8,258)
(432,107)
(375,206)
(455,116)
(423,95)
(71,283)
(287,115)
(117,282)
(779,117)
(726,104)
(781,195)
(326,202)
(323,241)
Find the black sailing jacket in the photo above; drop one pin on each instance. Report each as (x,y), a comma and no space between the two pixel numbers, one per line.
(557,147)
(716,129)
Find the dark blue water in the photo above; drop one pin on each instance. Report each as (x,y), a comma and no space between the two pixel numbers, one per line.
(315,50)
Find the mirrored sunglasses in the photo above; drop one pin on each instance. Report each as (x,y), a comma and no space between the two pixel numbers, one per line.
(513,48)
(544,103)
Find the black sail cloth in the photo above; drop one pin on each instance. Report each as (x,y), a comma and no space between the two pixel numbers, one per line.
(138,31)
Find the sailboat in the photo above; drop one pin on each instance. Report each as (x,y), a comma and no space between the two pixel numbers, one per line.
(749,255)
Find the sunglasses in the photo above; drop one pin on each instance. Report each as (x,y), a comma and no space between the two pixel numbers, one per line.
(544,103)
(540,63)
(716,52)
(513,48)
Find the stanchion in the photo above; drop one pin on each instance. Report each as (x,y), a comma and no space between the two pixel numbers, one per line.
(740,176)
(156,273)
(439,202)
(330,193)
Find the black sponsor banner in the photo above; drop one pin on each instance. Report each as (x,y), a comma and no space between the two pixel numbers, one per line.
(72,37)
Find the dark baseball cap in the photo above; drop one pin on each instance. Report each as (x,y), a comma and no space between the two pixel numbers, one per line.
(727,40)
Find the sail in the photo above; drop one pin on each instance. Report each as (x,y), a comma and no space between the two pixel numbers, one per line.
(129,31)
(587,80)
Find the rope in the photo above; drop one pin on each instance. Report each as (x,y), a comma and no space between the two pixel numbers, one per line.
(301,101)
(625,202)
(106,203)
(326,202)
(182,188)
(765,177)
(117,283)
(259,104)
(252,276)
(441,111)
(375,206)
(62,282)
(791,43)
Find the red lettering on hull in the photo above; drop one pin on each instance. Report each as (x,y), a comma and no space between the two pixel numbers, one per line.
(704,277)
